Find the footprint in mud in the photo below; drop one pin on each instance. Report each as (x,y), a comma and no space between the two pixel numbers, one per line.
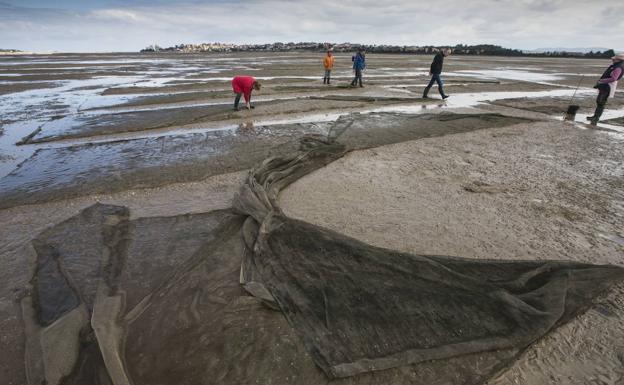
(482,187)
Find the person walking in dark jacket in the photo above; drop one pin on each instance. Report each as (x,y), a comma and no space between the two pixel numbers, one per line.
(359,64)
(436,71)
(606,86)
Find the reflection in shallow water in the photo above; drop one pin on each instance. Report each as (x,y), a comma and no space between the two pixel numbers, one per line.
(10,154)
(455,101)
(511,74)
(89,168)
(64,107)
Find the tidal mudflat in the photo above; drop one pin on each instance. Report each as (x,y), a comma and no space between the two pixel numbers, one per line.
(491,173)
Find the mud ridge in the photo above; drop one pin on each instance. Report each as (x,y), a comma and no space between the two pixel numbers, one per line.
(59,173)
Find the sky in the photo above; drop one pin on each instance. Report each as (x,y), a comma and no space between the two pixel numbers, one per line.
(130,25)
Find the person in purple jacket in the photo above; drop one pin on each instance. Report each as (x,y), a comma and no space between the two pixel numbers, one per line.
(606,86)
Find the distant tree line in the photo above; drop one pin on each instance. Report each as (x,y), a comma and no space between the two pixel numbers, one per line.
(591,54)
(459,49)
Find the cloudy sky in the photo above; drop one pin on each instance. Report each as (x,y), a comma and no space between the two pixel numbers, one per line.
(116,25)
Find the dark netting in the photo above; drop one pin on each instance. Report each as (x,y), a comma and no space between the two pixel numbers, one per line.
(158,301)
(99,274)
(360,308)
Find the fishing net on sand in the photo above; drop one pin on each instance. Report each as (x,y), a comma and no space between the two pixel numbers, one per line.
(157,300)
(361,308)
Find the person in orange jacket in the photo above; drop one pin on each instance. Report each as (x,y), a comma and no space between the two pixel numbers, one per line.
(242,86)
(328,63)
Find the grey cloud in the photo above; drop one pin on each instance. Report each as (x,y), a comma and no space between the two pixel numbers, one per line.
(518,23)
(11,12)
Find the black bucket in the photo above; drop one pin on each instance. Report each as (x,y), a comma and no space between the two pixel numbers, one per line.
(571,112)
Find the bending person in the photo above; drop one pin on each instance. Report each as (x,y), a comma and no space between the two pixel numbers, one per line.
(606,86)
(436,71)
(243,86)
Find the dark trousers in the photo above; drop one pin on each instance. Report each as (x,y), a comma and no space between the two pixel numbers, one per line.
(357,78)
(603,94)
(435,78)
(237,100)
(601,101)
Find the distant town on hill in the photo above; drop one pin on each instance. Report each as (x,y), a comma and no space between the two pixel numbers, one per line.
(459,49)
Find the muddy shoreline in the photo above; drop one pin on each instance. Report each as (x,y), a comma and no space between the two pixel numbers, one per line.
(490,173)
(65,172)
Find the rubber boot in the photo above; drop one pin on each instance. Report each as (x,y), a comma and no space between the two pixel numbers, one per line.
(598,110)
(426,92)
(442,94)
(596,118)
(236,101)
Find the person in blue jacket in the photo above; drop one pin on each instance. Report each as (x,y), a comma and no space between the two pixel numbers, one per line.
(436,71)
(359,64)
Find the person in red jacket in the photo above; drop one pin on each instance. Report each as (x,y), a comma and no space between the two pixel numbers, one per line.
(242,86)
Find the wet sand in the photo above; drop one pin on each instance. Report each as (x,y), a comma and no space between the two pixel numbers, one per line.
(500,179)
(529,191)
(151,162)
